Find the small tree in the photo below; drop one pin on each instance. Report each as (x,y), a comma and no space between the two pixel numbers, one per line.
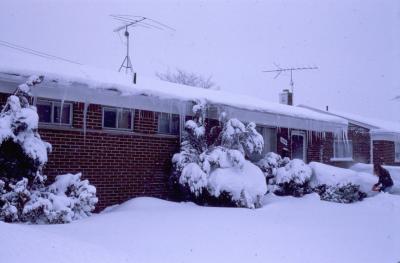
(22,152)
(24,197)
(187,78)
(210,171)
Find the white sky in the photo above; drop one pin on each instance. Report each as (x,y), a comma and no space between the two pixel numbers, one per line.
(355,43)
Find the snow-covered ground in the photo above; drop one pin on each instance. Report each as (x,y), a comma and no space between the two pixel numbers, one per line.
(286,229)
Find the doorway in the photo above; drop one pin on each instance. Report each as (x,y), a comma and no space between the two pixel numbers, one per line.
(298,145)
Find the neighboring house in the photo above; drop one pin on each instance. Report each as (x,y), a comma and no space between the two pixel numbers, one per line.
(369,140)
(122,136)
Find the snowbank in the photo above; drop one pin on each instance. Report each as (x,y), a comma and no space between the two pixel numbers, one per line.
(150,230)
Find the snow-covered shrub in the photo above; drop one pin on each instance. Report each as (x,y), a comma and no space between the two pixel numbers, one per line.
(194,177)
(67,199)
(340,193)
(22,152)
(24,196)
(244,138)
(340,185)
(293,179)
(194,141)
(220,171)
(244,184)
(270,163)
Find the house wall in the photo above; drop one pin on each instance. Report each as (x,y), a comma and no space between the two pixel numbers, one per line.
(121,164)
(384,152)
(319,147)
(126,164)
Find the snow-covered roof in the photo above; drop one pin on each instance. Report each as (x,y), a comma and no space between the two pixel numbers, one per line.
(68,75)
(379,128)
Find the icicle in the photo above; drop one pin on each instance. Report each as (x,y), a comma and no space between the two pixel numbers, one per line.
(85,109)
(61,109)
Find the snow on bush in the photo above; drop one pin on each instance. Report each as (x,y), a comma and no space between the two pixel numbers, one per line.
(220,170)
(22,152)
(194,177)
(67,199)
(340,193)
(245,184)
(293,179)
(24,197)
(340,185)
(244,138)
(270,163)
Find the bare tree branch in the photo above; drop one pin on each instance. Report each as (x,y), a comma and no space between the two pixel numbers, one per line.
(187,78)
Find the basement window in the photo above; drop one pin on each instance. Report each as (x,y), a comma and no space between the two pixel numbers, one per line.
(50,112)
(168,123)
(117,118)
(397,152)
(343,150)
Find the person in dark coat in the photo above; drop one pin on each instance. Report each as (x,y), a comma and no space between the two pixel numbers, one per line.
(385,182)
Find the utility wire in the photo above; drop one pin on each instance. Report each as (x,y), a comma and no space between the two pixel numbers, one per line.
(35,52)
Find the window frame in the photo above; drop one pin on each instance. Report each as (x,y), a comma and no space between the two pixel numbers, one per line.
(53,103)
(347,158)
(170,117)
(397,151)
(116,128)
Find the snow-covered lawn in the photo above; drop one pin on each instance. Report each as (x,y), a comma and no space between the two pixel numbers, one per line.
(286,229)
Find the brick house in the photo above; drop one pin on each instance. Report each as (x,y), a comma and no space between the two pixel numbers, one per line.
(122,136)
(370,140)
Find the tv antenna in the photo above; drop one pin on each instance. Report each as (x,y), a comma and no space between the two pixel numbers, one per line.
(279,71)
(135,21)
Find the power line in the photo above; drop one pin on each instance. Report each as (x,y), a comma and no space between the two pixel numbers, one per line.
(35,52)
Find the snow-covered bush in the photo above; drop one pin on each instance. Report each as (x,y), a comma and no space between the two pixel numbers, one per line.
(270,163)
(340,185)
(194,141)
(340,193)
(67,199)
(244,184)
(220,171)
(244,138)
(22,152)
(293,179)
(24,196)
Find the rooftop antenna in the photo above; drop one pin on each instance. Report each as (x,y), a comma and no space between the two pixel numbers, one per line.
(135,21)
(279,71)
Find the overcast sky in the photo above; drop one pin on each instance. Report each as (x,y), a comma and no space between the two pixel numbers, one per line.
(355,44)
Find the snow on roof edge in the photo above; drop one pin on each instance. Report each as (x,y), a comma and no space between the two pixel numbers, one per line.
(102,79)
(376,126)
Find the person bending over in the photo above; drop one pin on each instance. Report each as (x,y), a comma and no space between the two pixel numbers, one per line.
(385,182)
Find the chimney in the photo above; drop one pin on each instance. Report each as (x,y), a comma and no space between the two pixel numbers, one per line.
(286,97)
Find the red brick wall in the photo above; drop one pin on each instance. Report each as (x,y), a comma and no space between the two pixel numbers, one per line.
(384,151)
(319,147)
(121,165)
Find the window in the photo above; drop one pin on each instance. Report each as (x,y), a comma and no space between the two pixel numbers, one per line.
(343,149)
(117,118)
(397,152)
(168,123)
(50,112)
